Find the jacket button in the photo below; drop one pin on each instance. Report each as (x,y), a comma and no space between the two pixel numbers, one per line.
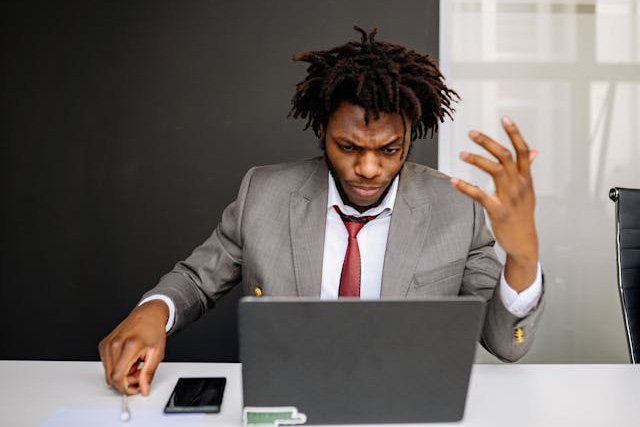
(518,335)
(257,291)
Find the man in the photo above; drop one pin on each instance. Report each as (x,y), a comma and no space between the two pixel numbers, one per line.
(360,221)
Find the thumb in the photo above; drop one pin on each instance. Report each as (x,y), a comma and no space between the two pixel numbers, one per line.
(532,155)
(151,361)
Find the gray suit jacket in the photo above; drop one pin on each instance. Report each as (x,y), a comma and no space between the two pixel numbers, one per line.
(271,239)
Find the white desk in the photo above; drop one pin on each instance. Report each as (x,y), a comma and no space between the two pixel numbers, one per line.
(499,395)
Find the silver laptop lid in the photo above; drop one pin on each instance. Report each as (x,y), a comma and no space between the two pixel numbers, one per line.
(356,361)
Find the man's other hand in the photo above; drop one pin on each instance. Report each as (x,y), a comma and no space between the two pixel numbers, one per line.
(141,337)
(511,208)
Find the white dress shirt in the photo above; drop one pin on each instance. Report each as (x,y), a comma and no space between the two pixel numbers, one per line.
(372,242)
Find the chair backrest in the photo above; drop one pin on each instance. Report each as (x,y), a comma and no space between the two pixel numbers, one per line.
(627,202)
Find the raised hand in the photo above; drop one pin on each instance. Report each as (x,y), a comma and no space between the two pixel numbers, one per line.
(511,208)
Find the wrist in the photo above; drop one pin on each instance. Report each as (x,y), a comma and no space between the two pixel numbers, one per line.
(156,311)
(523,260)
(526,252)
(520,272)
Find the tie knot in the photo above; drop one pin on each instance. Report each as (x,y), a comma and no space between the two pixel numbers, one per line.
(354,223)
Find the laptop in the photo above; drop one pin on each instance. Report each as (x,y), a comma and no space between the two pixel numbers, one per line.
(352,361)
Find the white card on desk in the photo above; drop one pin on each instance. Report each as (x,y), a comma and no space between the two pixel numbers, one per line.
(109,417)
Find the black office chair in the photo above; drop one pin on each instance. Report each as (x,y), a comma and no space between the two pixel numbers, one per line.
(627,202)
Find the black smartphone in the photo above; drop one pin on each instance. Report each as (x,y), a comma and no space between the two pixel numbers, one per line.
(196,395)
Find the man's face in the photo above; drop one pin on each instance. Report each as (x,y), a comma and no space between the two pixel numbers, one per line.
(365,158)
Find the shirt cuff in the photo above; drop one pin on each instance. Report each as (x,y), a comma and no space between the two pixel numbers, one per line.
(170,304)
(521,304)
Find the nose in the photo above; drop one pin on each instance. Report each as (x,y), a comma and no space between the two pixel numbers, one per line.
(368,165)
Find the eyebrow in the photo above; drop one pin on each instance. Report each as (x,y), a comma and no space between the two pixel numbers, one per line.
(348,141)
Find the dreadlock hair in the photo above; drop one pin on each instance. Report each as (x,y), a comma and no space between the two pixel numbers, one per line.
(379,77)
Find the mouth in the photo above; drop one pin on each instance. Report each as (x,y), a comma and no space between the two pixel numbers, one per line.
(364,191)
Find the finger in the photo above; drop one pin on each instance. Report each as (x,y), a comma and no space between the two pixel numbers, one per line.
(113,350)
(151,362)
(474,192)
(532,156)
(133,386)
(496,170)
(520,145)
(106,360)
(497,150)
(134,368)
(133,377)
(128,357)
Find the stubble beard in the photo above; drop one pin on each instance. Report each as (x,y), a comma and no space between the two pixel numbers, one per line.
(343,194)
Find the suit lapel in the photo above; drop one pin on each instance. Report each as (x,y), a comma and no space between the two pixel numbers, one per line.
(407,233)
(308,216)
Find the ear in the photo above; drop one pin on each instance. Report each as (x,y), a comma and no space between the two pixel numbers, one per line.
(321,141)
(407,126)
(407,149)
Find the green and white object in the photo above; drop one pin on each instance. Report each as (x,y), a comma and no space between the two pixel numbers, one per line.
(274,416)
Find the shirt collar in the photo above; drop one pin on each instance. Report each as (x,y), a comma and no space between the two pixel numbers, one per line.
(385,208)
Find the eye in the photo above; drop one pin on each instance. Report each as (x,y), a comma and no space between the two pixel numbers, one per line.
(389,150)
(347,148)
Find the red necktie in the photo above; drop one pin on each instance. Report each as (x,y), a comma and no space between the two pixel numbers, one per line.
(350,277)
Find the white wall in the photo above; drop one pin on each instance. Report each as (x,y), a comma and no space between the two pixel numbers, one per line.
(568,73)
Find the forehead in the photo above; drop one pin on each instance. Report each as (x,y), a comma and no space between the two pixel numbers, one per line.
(347,121)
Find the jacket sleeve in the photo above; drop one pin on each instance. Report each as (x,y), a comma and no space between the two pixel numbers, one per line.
(212,269)
(505,335)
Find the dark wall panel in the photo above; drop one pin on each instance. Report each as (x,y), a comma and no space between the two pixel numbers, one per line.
(126,129)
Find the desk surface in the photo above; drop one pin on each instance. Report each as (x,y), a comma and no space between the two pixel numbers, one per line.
(499,395)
